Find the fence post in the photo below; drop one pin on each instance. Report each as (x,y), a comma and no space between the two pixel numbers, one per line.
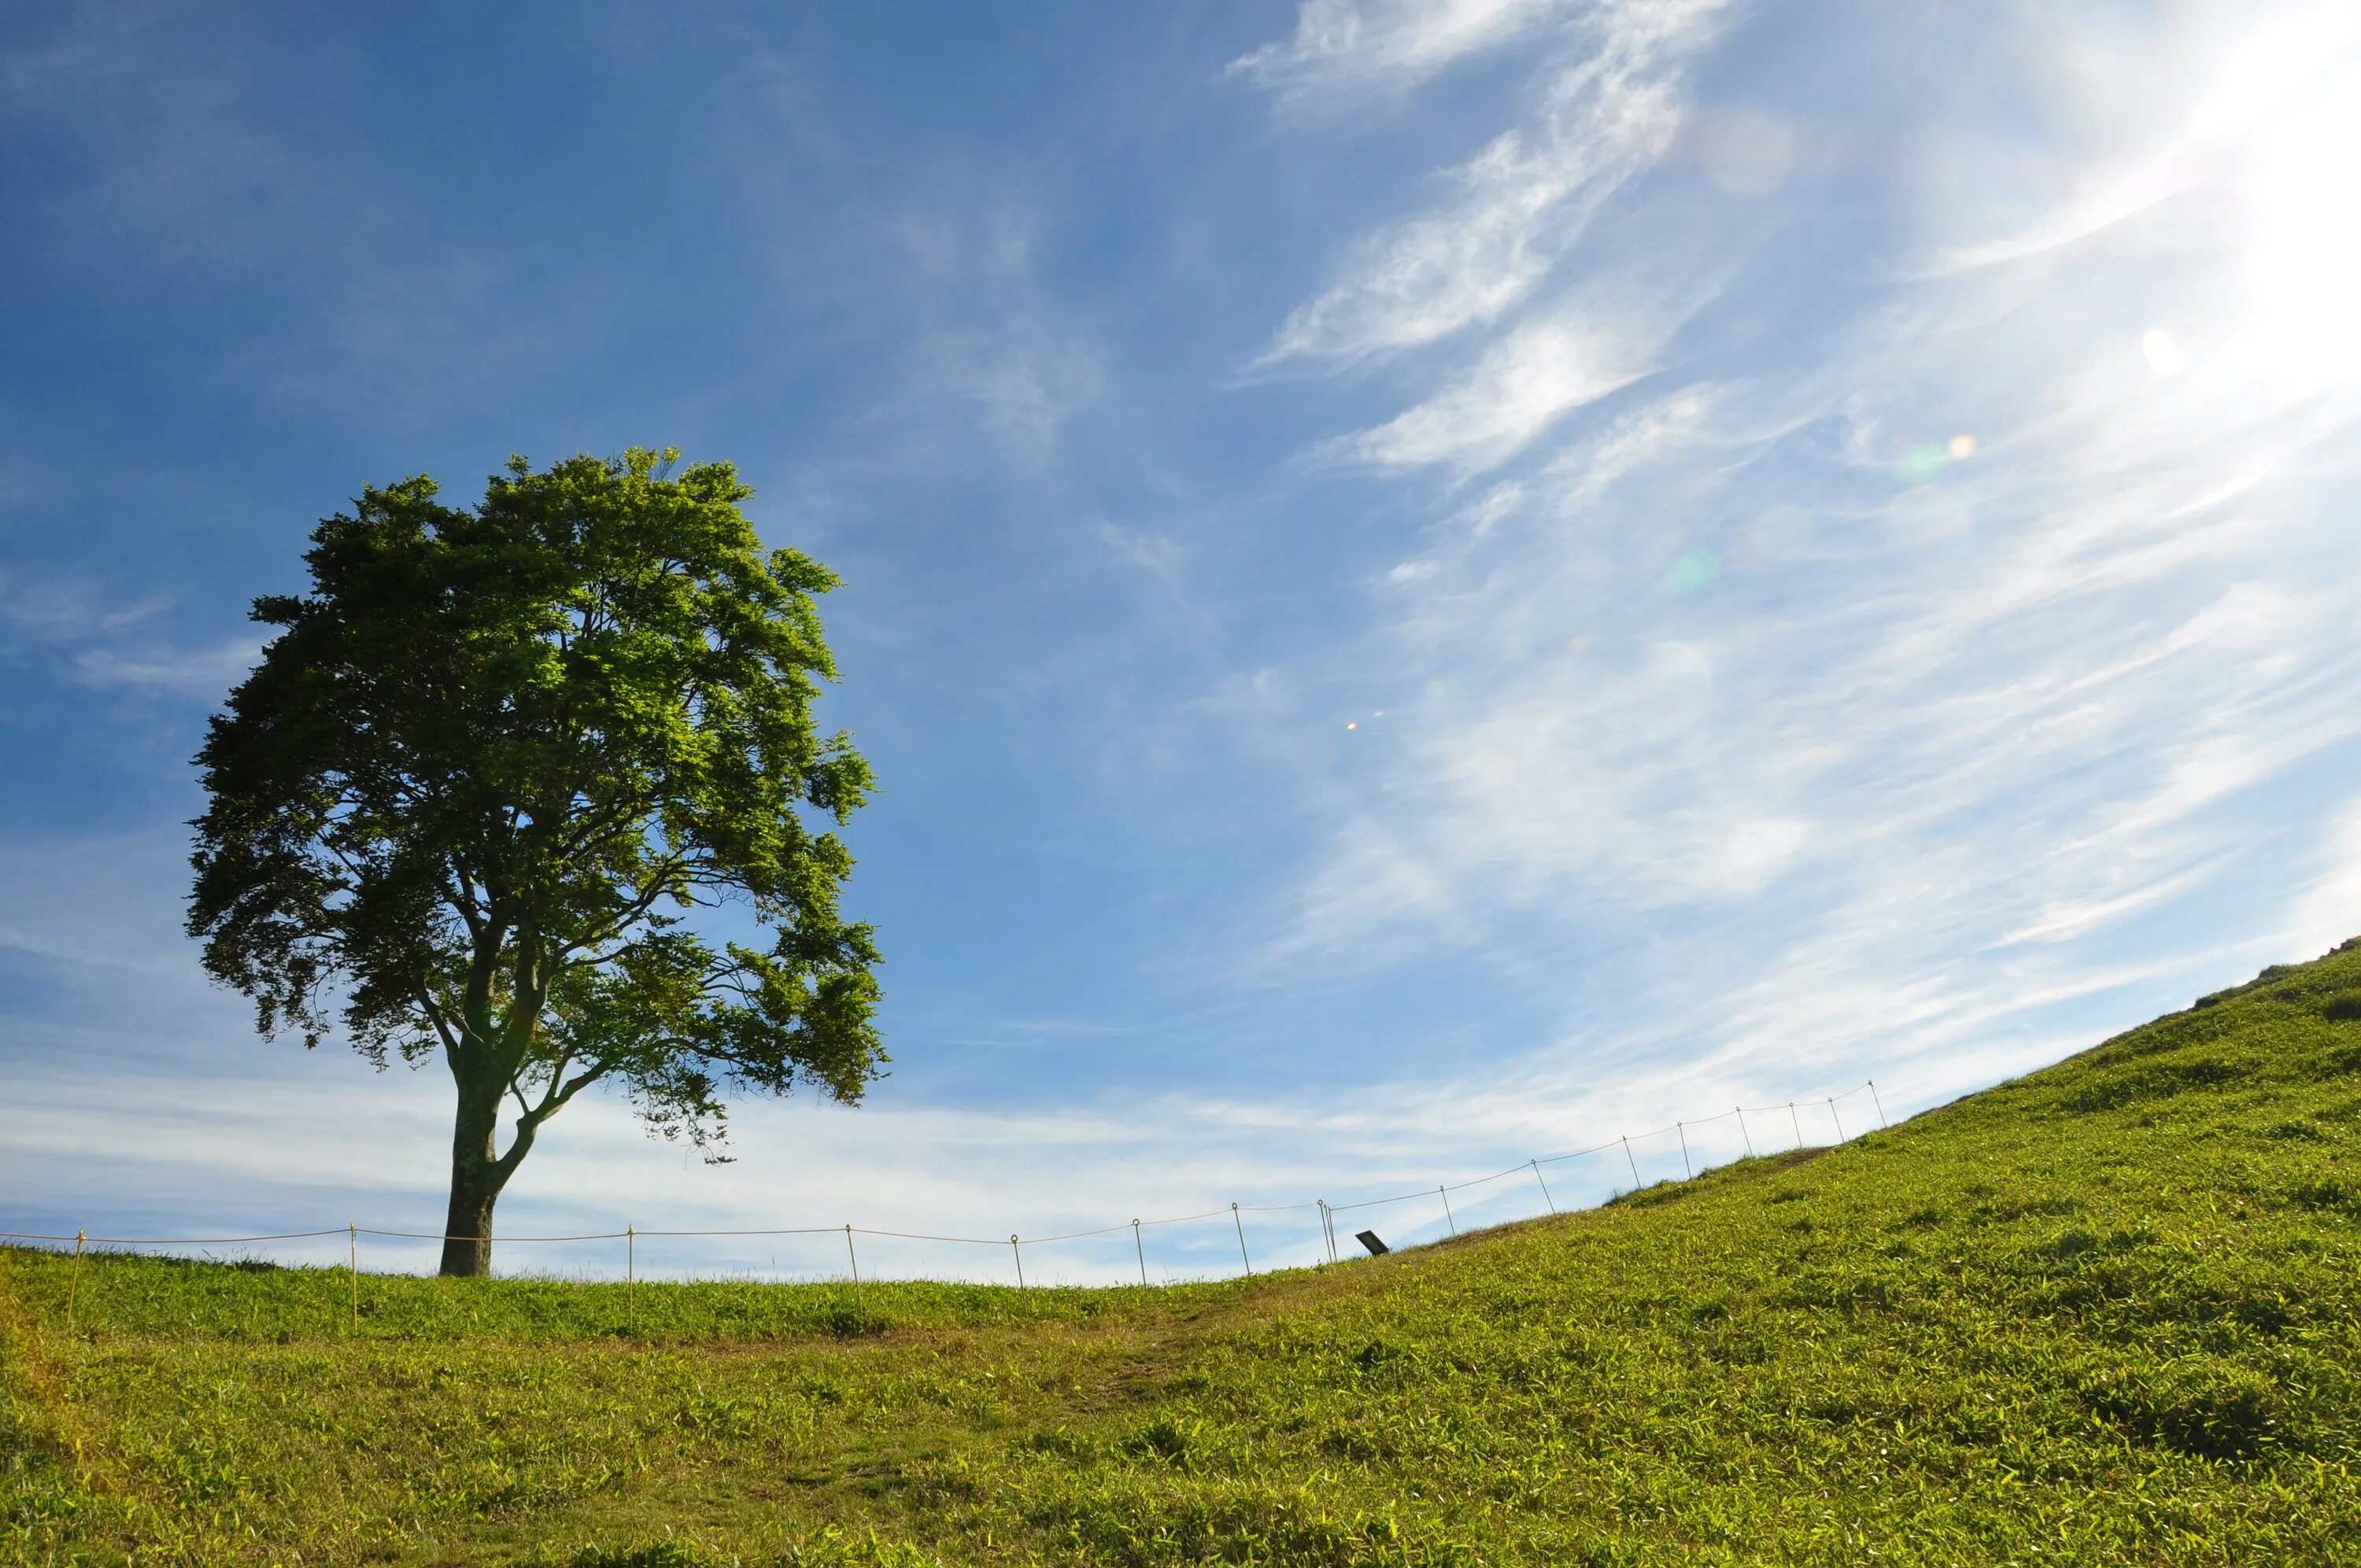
(1836,1118)
(1241,1225)
(1633,1163)
(1799,1123)
(1140,1247)
(849,1254)
(1879,1101)
(631,1278)
(1448,1217)
(1688,1171)
(353,1265)
(1020,1259)
(74,1282)
(1546,1192)
(1742,1132)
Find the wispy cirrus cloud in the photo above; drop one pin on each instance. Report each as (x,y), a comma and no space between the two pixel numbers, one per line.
(2328,909)
(1517,389)
(117,644)
(205,674)
(1388,42)
(1610,109)
(1892,680)
(991,338)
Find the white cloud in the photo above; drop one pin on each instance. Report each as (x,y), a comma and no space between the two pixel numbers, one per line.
(2329,910)
(2065,920)
(1519,205)
(113,645)
(1916,770)
(1522,385)
(988,334)
(66,612)
(204,673)
(1363,42)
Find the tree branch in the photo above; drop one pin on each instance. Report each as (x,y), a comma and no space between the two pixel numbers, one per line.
(651,887)
(426,1005)
(529,1123)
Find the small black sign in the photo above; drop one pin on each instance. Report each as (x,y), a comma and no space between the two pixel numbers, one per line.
(1370,1239)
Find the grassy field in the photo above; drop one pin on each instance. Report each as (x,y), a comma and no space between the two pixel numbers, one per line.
(2109,1313)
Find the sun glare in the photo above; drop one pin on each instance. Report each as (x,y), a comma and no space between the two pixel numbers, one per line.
(2302,260)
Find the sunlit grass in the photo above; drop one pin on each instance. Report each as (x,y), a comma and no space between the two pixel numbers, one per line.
(2109,1313)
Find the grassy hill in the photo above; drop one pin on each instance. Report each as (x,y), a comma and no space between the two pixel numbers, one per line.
(2107,1313)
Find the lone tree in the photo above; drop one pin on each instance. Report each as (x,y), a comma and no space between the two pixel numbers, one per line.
(489,766)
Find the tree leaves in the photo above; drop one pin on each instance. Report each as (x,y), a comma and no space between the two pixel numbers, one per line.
(493,761)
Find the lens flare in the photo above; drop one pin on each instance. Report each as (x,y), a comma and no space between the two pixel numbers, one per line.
(1745,152)
(1694,570)
(1923,464)
(1963,446)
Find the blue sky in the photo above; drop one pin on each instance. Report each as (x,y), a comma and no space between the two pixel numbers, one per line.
(1426,583)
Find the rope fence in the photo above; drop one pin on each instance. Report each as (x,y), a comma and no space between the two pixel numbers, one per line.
(1015,1242)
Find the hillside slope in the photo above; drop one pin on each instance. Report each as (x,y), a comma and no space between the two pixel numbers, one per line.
(2106,1313)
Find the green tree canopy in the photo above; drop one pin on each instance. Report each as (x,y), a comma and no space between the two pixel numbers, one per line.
(487,768)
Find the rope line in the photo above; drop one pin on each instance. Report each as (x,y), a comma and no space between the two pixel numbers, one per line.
(173,1241)
(788,1231)
(1187,1218)
(1077,1235)
(1578,1154)
(1529,1166)
(916,1236)
(585,1236)
(1381,1202)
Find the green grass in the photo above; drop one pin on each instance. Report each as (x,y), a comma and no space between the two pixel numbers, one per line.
(2109,1313)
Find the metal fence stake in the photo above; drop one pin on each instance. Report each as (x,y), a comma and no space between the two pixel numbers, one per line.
(1836,1118)
(1139,1247)
(1546,1192)
(1020,1259)
(1448,1218)
(73,1281)
(1241,1225)
(854,1256)
(353,1265)
(1742,1132)
(1799,1123)
(1633,1163)
(1688,1171)
(631,1279)
(1879,1101)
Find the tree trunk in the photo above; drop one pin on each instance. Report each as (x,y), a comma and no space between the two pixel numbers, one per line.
(476,1182)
